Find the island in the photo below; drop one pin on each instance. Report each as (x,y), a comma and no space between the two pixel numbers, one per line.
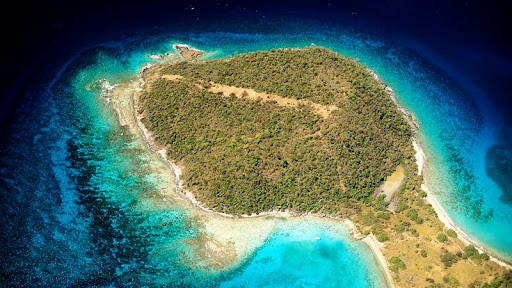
(307,132)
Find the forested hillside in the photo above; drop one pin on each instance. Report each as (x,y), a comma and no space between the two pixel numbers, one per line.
(244,156)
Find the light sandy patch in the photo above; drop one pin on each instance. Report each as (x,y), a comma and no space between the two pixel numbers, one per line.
(172,77)
(353,230)
(251,94)
(393,183)
(228,241)
(420,156)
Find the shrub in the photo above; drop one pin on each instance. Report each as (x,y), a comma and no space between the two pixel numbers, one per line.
(451,233)
(449,279)
(449,259)
(412,214)
(369,219)
(385,216)
(383,237)
(423,253)
(432,211)
(400,228)
(380,203)
(397,263)
(441,237)
(504,280)
(471,251)
(401,207)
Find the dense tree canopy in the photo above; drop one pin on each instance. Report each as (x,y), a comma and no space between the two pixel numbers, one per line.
(243,156)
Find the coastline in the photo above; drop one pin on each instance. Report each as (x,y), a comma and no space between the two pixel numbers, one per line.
(187,52)
(375,247)
(444,217)
(370,240)
(146,135)
(421,160)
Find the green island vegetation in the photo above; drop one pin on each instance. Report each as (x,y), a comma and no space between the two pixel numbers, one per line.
(451,233)
(441,237)
(320,137)
(247,157)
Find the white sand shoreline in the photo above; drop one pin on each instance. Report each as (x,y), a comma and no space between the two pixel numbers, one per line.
(421,160)
(443,216)
(375,247)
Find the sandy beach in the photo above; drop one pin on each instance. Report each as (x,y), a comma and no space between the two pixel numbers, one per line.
(376,249)
(420,156)
(375,246)
(441,213)
(421,160)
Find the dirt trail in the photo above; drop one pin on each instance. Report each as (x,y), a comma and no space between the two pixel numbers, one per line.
(244,93)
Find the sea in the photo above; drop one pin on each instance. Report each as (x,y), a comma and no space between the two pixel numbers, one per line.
(80,207)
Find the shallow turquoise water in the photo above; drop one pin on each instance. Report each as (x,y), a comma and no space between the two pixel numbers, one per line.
(309,253)
(87,193)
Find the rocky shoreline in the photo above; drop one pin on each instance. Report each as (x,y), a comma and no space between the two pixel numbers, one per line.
(187,52)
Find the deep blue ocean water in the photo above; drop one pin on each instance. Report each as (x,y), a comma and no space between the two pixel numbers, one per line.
(80,209)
